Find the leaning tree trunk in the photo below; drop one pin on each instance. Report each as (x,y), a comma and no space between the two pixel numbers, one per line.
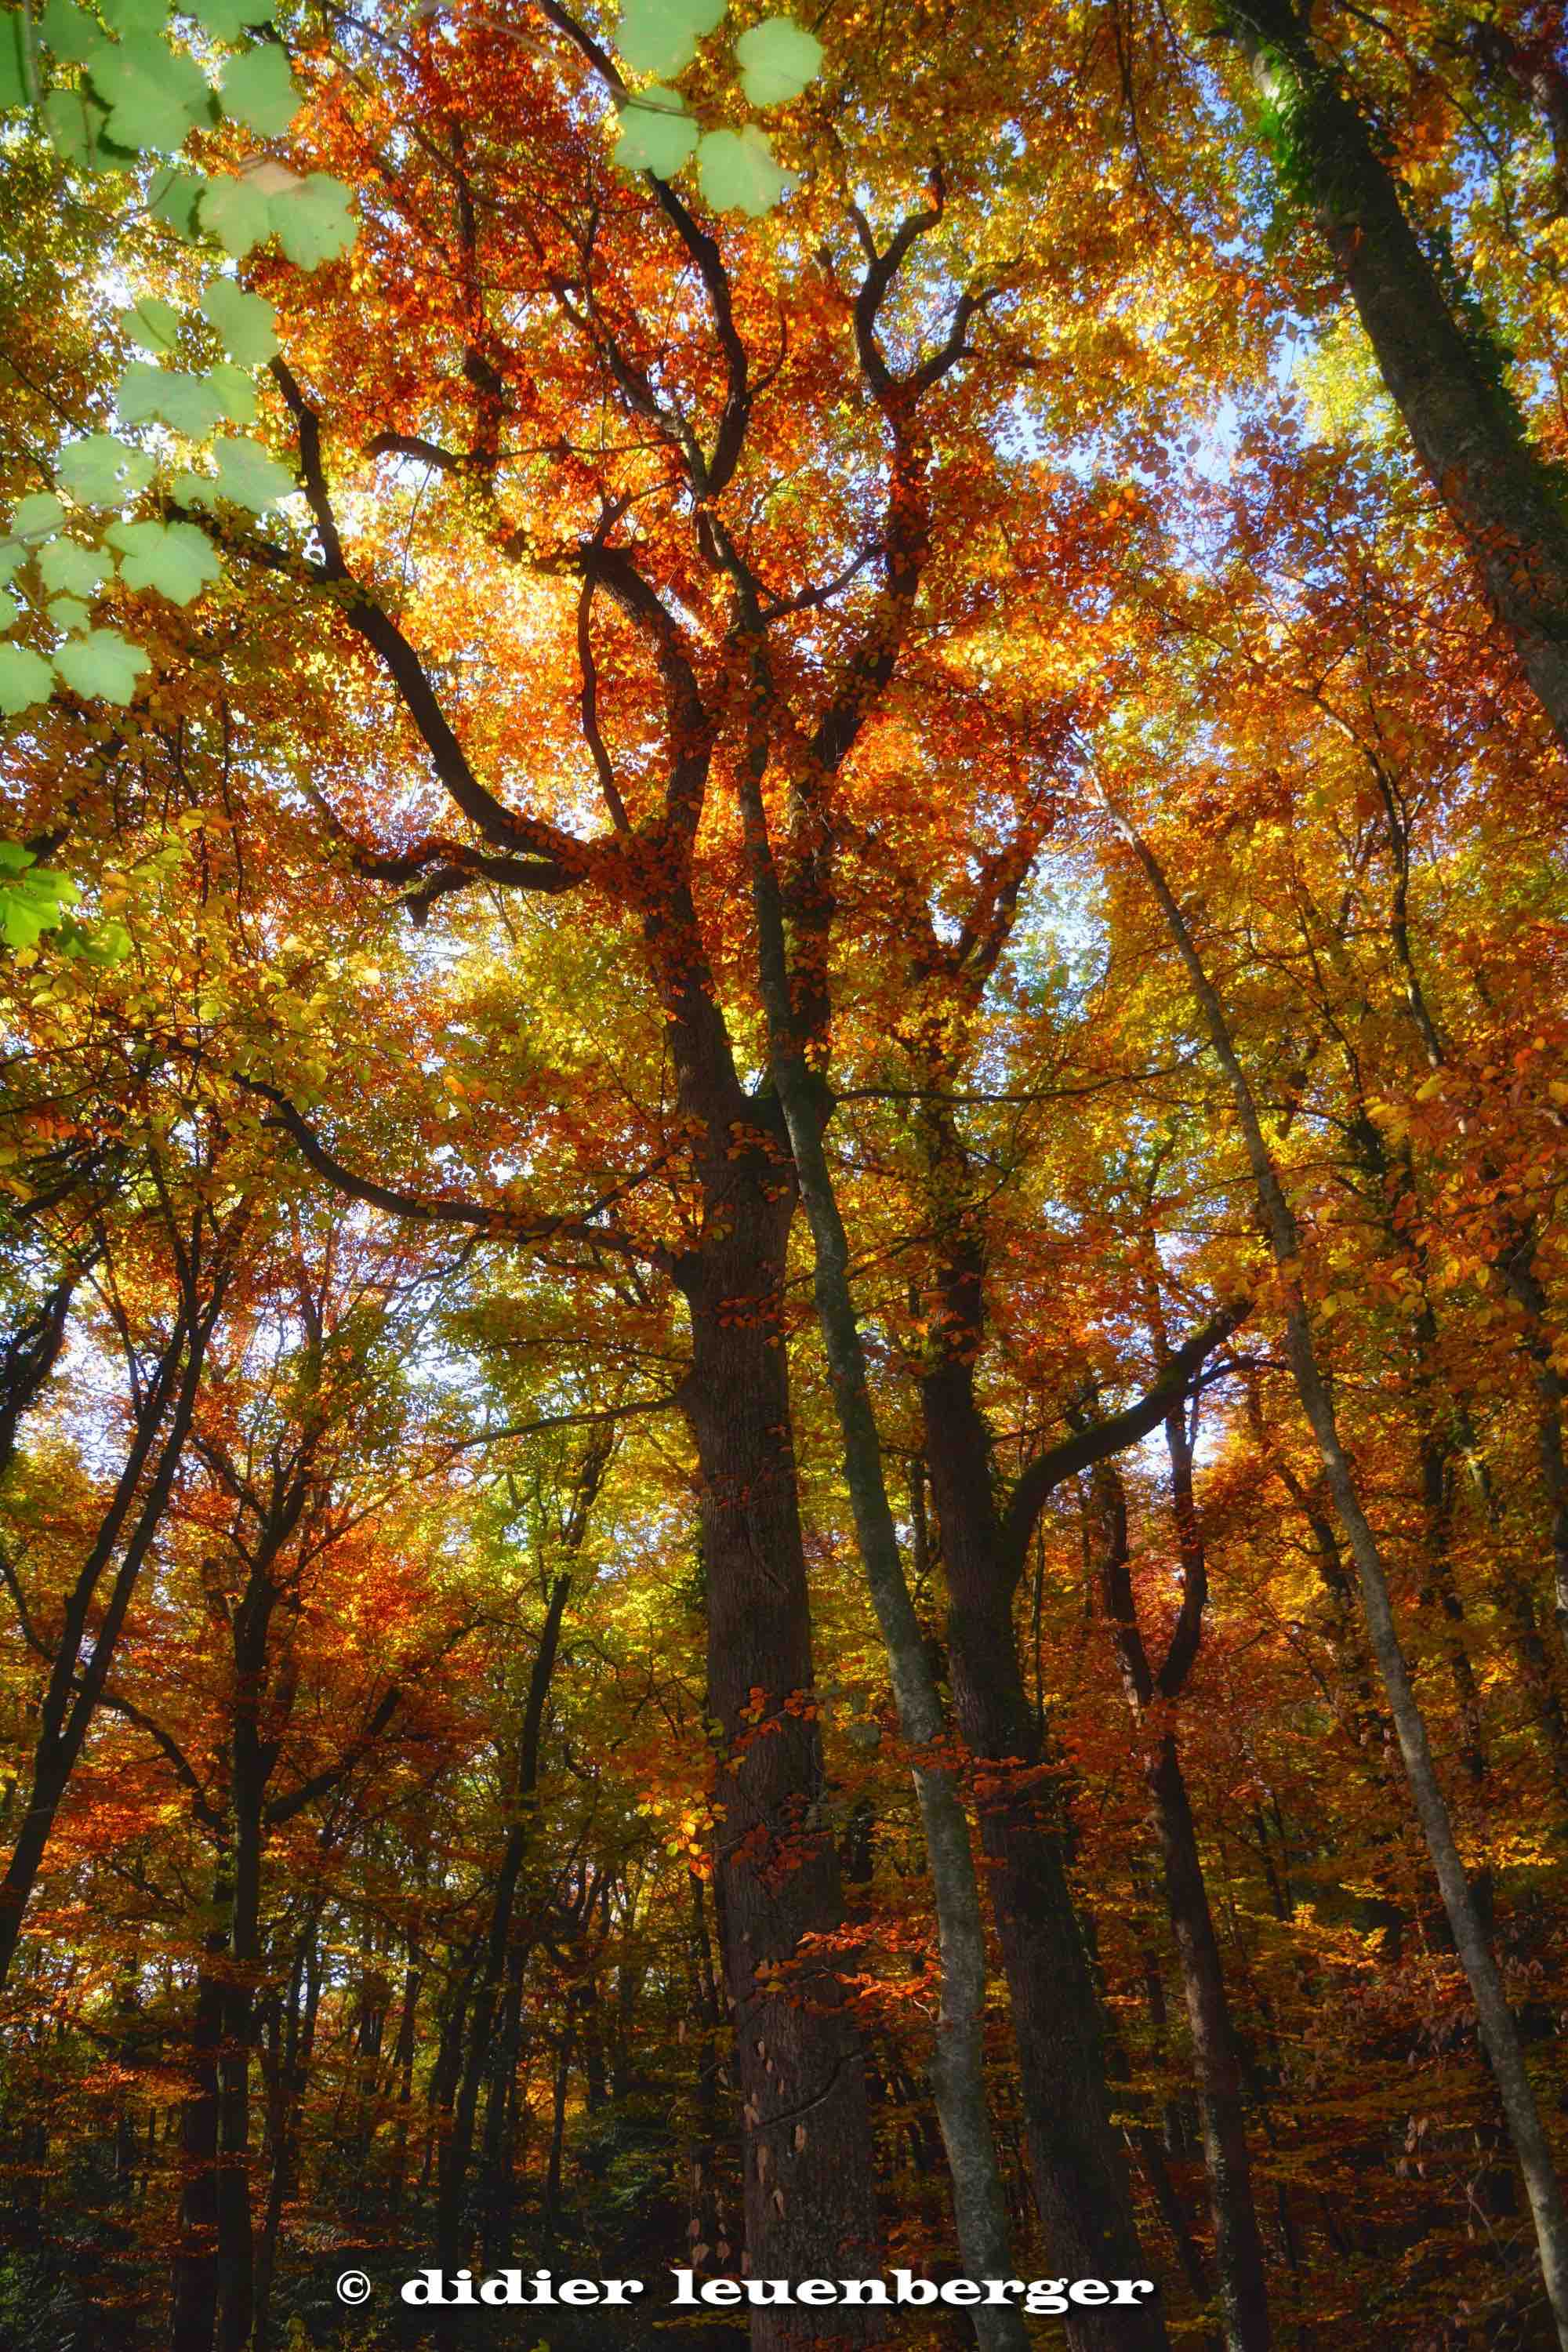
(1239,2248)
(1447,387)
(1498,2032)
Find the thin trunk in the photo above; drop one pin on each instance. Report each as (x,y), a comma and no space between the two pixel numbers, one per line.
(458,2149)
(70,1700)
(957,2069)
(551,2215)
(1238,2247)
(1470,1938)
(195,2315)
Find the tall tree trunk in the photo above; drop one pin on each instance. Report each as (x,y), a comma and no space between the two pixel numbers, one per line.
(957,2068)
(809,2208)
(1239,2246)
(1461,419)
(74,1684)
(1471,1940)
(500,1934)
(1076,2159)
(195,2315)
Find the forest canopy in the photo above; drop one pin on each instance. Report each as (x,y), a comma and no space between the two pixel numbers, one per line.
(783,1126)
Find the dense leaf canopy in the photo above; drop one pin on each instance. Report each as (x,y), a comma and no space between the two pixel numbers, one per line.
(783,1128)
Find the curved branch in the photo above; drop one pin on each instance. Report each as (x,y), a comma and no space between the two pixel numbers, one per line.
(1033,1487)
(503,1225)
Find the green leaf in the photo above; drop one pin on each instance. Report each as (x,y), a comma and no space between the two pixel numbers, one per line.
(14,858)
(739,170)
(248,476)
(259,90)
(103,472)
(103,667)
(33,904)
(174,558)
(234,392)
(176,201)
(69,612)
(226,20)
(236,213)
(14,90)
(76,125)
(39,517)
(661,36)
(313,221)
(136,19)
(777,58)
(22,919)
(24,678)
(248,325)
(12,558)
(70,33)
(188,403)
(109,944)
(67,568)
(10,610)
(152,324)
(156,94)
(656,134)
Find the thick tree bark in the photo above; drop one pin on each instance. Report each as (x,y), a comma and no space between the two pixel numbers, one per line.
(809,2209)
(1471,1940)
(1460,417)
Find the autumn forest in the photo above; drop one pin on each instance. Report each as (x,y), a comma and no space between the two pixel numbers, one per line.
(784,1129)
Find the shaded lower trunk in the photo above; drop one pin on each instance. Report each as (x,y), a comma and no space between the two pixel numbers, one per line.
(1075,2158)
(1238,2249)
(808,2195)
(195,2315)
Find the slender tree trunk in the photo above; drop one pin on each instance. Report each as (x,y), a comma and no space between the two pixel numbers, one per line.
(1238,2247)
(1551,1389)
(458,2149)
(75,1684)
(237,2289)
(957,2070)
(1471,1941)
(1460,417)
(71,1698)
